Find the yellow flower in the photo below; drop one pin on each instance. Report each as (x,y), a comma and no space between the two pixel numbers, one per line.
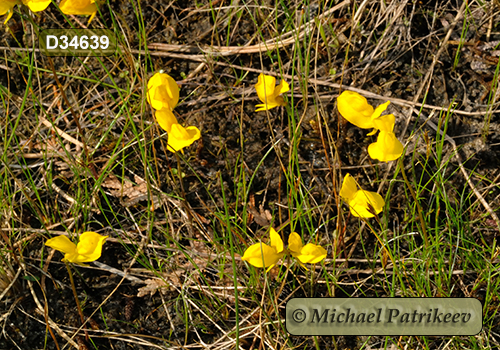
(387,147)
(163,95)
(355,108)
(6,7)
(180,137)
(166,119)
(310,253)
(163,92)
(89,247)
(79,7)
(263,255)
(363,204)
(269,93)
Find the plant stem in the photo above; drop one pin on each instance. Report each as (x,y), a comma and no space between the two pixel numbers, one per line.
(76,298)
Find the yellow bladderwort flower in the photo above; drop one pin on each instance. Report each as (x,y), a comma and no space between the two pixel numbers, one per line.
(387,147)
(363,204)
(269,93)
(308,254)
(180,137)
(79,7)
(355,108)
(7,7)
(263,255)
(88,249)
(163,92)
(163,95)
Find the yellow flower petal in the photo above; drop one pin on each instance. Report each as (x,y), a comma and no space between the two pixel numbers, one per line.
(268,106)
(163,91)
(385,122)
(311,254)
(281,89)
(180,137)
(91,17)
(269,93)
(265,86)
(276,241)
(366,204)
(349,188)
(61,243)
(378,111)
(261,255)
(7,7)
(270,267)
(387,147)
(294,244)
(89,248)
(9,15)
(166,119)
(37,5)
(355,108)
(78,7)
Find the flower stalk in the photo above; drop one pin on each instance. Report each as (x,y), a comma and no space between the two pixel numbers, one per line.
(78,306)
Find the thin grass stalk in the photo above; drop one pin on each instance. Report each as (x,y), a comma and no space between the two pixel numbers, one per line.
(76,299)
(419,208)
